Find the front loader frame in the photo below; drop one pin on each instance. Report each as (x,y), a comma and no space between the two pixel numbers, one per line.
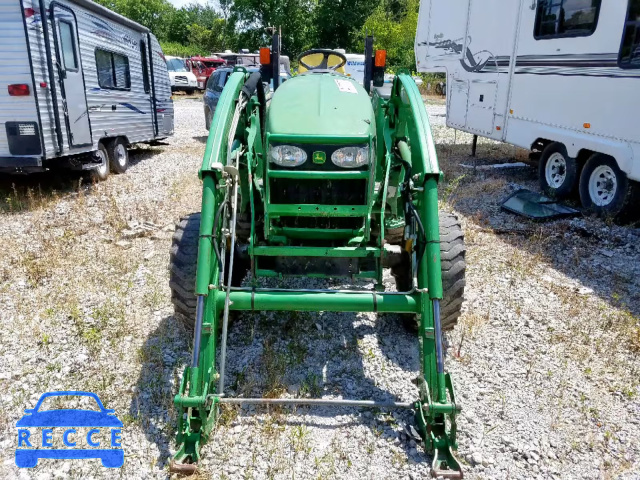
(403,136)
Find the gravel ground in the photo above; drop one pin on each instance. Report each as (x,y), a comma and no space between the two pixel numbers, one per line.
(545,358)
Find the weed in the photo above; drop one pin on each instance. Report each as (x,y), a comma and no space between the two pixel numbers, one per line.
(92,337)
(273,365)
(451,188)
(300,440)
(228,414)
(297,352)
(311,386)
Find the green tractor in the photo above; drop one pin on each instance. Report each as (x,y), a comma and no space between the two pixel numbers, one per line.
(324,179)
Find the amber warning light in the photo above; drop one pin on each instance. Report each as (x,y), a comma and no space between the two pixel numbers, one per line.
(265,56)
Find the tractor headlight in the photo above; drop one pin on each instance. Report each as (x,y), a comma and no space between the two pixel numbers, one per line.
(351,157)
(287,155)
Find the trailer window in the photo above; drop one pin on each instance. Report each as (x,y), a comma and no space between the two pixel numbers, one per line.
(630,48)
(67,46)
(113,70)
(145,67)
(566,18)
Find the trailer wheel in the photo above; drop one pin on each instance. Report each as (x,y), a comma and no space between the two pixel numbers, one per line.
(604,188)
(183,263)
(557,171)
(118,155)
(452,256)
(101,171)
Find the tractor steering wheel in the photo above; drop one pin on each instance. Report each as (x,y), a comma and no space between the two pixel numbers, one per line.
(324,64)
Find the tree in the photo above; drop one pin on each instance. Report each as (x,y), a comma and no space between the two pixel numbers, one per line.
(339,23)
(252,17)
(153,14)
(394,25)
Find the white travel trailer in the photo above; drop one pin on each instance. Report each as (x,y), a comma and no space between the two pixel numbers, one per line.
(78,85)
(558,77)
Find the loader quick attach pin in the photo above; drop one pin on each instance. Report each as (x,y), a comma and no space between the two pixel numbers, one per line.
(269,209)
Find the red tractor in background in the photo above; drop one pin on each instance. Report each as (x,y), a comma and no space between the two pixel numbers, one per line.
(203,67)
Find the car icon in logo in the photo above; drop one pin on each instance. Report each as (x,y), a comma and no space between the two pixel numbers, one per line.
(68,420)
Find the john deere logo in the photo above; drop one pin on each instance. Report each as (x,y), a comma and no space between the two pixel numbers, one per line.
(319,157)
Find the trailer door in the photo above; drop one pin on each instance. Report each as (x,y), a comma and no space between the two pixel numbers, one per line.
(74,97)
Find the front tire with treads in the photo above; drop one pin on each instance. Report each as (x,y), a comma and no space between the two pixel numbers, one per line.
(452,256)
(183,266)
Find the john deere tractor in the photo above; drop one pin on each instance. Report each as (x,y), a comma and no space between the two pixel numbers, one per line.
(326,178)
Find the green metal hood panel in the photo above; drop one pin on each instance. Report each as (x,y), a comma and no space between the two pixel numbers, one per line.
(321,105)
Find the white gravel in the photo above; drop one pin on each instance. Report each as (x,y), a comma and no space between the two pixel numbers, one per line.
(545,359)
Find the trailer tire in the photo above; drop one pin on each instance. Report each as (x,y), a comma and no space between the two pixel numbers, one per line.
(118,155)
(604,188)
(101,172)
(557,171)
(183,264)
(452,257)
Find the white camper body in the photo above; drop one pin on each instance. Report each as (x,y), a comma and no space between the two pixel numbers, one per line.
(76,80)
(354,67)
(558,77)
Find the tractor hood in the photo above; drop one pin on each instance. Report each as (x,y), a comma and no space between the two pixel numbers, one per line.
(323,104)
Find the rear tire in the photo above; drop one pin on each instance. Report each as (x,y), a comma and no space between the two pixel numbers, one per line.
(452,256)
(101,172)
(118,155)
(557,171)
(183,265)
(604,188)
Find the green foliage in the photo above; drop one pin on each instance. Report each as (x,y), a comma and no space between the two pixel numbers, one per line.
(234,24)
(153,14)
(394,24)
(295,17)
(179,50)
(339,23)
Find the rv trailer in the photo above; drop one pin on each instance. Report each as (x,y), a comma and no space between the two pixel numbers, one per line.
(558,77)
(79,84)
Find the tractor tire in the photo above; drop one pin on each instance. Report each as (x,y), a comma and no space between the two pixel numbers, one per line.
(452,256)
(183,262)
(183,265)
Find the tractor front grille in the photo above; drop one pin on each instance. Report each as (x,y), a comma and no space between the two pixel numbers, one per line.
(318,191)
(351,223)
